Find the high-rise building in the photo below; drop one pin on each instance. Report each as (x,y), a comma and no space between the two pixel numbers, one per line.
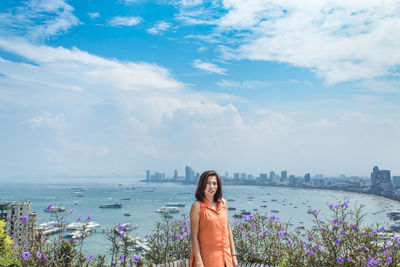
(236,177)
(263,178)
(20,220)
(243,176)
(284,175)
(148,175)
(175,174)
(307,178)
(189,175)
(272,177)
(381,181)
(396,182)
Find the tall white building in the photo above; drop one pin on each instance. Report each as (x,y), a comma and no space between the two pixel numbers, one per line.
(20,220)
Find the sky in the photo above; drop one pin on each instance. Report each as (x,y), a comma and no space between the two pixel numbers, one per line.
(116,87)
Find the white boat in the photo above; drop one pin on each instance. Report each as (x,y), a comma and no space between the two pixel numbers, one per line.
(80,226)
(168,210)
(172,204)
(78,234)
(54,209)
(127,214)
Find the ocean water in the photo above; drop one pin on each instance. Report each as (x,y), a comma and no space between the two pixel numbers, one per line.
(146,198)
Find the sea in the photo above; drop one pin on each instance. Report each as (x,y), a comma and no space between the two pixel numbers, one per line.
(142,199)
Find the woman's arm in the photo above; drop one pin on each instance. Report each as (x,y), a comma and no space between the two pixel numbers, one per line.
(194,232)
(232,244)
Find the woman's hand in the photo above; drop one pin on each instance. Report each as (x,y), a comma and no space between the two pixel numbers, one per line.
(234,261)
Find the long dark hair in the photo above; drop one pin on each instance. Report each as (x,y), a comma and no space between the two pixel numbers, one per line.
(202,186)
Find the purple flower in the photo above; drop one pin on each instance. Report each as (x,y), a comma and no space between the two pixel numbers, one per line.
(382,228)
(236,222)
(15,244)
(24,219)
(389,259)
(49,207)
(272,218)
(73,211)
(374,232)
(251,217)
(90,258)
(349,259)
(343,233)
(122,234)
(261,237)
(315,211)
(107,234)
(339,260)
(334,221)
(38,254)
(337,206)
(26,255)
(330,206)
(8,219)
(136,259)
(79,219)
(89,218)
(346,204)
(354,227)
(122,259)
(251,250)
(120,227)
(322,250)
(246,235)
(337,241)
(323,229)
(259,230)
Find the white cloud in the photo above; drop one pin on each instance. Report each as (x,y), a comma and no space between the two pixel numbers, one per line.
(244,84)
(94,15)
(87,67)
(38,19)
(47,120)
(340,41)
(124,21)
(380,86)
(159,28)
(210,67)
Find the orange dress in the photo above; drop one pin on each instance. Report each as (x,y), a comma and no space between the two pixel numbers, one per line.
(213,236)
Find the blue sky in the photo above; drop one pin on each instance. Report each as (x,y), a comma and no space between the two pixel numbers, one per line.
(118,87)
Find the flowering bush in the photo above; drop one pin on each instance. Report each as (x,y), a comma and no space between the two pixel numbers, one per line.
(337,240)
(170,241)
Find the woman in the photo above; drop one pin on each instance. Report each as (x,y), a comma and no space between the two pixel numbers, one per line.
(211,235)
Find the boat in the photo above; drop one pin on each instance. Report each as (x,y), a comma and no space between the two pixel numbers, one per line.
(126,198)
(175,204)
(111,206)
(275,211)
(168,210)
(231,200)
(393,215)
(263,206)
(78,234)
(245,212)
(54,209)
(128,226)
(310,211)
(231,208)
(274,200)
(237,215)
(127,214)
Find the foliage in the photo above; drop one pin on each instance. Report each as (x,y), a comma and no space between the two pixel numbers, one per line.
(170,241)
(338,240)
(6,244)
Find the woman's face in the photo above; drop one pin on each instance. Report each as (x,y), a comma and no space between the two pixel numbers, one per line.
(211,187)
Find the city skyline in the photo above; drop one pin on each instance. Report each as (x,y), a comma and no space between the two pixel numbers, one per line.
(112,88)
